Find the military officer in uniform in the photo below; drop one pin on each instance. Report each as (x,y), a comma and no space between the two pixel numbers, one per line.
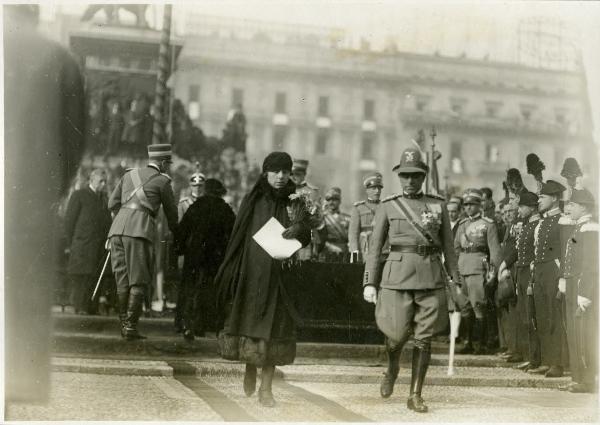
(477,246)
(299,169)
(412,297)
(521,259)
(336,227)
(579,209)
(197,190)
(136,201)
(546,272)
(363,214)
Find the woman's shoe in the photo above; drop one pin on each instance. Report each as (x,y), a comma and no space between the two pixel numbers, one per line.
(250,381)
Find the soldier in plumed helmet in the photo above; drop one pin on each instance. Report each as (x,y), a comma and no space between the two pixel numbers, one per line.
(363,215)
(411,297)
(136,201)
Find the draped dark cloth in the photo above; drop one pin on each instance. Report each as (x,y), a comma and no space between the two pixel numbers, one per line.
(249,279)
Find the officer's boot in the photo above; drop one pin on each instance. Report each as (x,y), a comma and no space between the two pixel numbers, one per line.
(469,325)
(134,310)
(265,392)
(420,363)
(479,336)
(393,350)
(122,303)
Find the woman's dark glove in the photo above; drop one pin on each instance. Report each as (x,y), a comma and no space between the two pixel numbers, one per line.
(293,232)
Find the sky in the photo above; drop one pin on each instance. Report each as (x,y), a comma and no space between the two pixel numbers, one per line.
(476,28)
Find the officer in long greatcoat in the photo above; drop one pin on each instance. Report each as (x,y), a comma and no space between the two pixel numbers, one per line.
(546,272)
(363,214)
(136,201)
(476,243)
(579,209)
(412,297)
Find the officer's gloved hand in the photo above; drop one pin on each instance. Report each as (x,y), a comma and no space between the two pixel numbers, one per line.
(107,244)
(370,294)
(583,302)
(292,232)
(562,285)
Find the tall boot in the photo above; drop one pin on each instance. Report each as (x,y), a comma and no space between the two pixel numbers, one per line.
(393,350)
(122,303)
(469,324)
(265,393)
(479,333)
(134,310)
(420,363)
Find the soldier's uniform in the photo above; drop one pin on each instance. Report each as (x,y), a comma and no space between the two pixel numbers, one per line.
(477,246)
(412,297)
(197,179)
(336,230)
(137,199)
(316,221)
(572,272)
(546,272)
(362,219)
(521,260)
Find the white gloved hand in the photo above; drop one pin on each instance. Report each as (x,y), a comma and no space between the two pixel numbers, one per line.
(583,302)
(562,285)
(107,244)
(370,294)
(502,268)
(505,274)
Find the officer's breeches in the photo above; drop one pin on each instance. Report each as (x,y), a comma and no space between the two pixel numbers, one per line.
(473,288)
(132,261)
(397,312)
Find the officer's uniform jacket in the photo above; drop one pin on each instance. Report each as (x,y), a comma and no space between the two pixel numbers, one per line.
(336,226)
(409,270)
(547,241)
(588,281)
(524,254)
(362,221)
(184,204)
(136,217)
(574,251)
(476,239)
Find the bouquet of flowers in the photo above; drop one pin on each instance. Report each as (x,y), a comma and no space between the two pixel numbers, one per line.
(302,207)
(431,221)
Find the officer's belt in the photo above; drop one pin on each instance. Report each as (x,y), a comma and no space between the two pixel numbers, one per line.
(473,249)
(422,250)
(134,206)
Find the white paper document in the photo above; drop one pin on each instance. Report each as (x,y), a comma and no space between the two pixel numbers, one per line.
(270,239)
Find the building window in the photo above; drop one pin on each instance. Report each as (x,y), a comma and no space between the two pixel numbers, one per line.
(492,153)
(321,142)
(193,93)
(323,106)
(368,145)
(457,105)
(527,111)
(560,115)
(492,109)
(279,135)
(456,157)
(369,110)
(280,103)
(237,97)
(422,102)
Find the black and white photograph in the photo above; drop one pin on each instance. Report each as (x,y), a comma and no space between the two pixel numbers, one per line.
(301,211)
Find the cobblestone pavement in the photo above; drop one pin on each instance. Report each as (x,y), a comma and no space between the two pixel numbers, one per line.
(218,397)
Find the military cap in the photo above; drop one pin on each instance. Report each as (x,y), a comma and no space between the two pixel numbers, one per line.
(455,200)
(197,179)
(552,188)
(299,165)
(160,151)
(334,193)
(374,179)
(582,196)
(411,162)
(528,199)
(472,196)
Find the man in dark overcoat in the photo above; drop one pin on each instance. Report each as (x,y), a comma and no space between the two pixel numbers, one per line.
(203,234)
(412,297)
(136,201)
(87,222)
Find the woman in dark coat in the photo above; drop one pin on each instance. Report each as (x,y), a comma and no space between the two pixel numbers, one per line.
(259,325)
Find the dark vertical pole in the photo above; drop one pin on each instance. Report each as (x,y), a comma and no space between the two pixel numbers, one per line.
(160,98)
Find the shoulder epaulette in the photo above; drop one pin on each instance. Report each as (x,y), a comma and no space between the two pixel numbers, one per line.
(389,198)
(590,227)
(489,220)
(431,195)
(356,204)
(166,175)
(566,221)
(129,169)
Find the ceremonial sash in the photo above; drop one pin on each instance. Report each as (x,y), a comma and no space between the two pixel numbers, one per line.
(412,219)
(342,234)
(138,192)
